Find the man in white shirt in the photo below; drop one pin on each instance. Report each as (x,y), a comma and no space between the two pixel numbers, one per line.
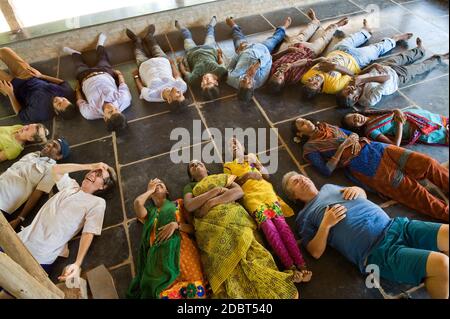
(29,178)
(158,78)
(383,78)
(72,209)
(104,99)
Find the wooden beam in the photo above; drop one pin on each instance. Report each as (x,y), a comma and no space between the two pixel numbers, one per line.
(16,250)
(20,284)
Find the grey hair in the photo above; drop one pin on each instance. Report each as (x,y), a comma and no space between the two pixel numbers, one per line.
(285,181)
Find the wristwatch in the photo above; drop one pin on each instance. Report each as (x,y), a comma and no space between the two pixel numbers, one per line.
(136,76)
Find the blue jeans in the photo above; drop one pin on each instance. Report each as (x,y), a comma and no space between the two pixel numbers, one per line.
(271,42)
(189,43)
(365,55)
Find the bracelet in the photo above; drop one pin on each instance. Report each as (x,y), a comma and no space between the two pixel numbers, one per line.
(136,76)
(21,218)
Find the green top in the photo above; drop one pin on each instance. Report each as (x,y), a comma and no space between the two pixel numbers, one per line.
(158,263)
(203,59)
(189,188)
(8,144)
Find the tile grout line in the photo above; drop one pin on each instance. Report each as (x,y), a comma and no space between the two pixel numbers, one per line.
(262,15)
(122,201)
(407,98)
(427,19)
(149,116)
(424,81)
(306,114)
(91,141)
(162,154)
(202,118)
(283,143)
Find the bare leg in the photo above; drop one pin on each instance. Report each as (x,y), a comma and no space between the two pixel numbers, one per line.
(437,278)
(324,36)
(442,239)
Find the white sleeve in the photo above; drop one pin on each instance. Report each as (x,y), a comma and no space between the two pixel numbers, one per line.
(86,110)
(66,182)
(149,95)
(124,96)
(46,183)
(93,222)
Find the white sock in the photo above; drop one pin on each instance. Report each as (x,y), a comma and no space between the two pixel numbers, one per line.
(70,51)
(101,39)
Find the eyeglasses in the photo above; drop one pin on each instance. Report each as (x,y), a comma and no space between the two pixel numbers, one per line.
(99,173)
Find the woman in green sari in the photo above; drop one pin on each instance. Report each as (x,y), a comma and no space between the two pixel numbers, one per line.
(169,265)
(236,264)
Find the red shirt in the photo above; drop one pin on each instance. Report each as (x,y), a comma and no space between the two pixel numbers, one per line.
(294,75)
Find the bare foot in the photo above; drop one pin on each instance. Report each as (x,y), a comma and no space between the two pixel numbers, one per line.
(366,26)
(403,36)
(312,15)
(230,22)
(287,22)
(342,22)
(440,57)
(302,276)
(419,43)
(178,24)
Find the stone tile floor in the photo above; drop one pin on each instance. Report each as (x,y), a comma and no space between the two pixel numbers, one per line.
(144,151)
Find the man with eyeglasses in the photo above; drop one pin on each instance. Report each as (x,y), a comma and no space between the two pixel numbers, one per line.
(72,209)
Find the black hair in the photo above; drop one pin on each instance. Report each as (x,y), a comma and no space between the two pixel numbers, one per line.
(177,104)
(245,94)
(69,112)
(211,93)
(116,122)
(303,138)
(344,101)
(275,87)
(309,93)
(357,130)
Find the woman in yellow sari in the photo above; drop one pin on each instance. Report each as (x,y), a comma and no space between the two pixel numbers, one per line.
(268,210)
(236,264)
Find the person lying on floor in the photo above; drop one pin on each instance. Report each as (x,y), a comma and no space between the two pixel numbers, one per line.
(297,54)
(399,127)
(72,209)
(250,67)
(347,58)
(169,264)
(29,178)
(13,139)
(203,64)
(35,97)
(405,251)
(236,264)
(104,99)
(389,170)
(383,78)
(157,77)
(268,210)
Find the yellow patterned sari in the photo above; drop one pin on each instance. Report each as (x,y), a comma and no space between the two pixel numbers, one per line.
(236,264)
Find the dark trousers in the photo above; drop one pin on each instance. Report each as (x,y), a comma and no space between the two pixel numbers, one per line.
(103,64)
(153,49)
(403,64)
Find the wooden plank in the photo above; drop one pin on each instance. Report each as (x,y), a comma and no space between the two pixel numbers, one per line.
(101,283)
(17,282)
(16,250)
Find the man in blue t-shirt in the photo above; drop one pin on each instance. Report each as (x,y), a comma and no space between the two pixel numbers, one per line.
(405,251)
(35,97)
